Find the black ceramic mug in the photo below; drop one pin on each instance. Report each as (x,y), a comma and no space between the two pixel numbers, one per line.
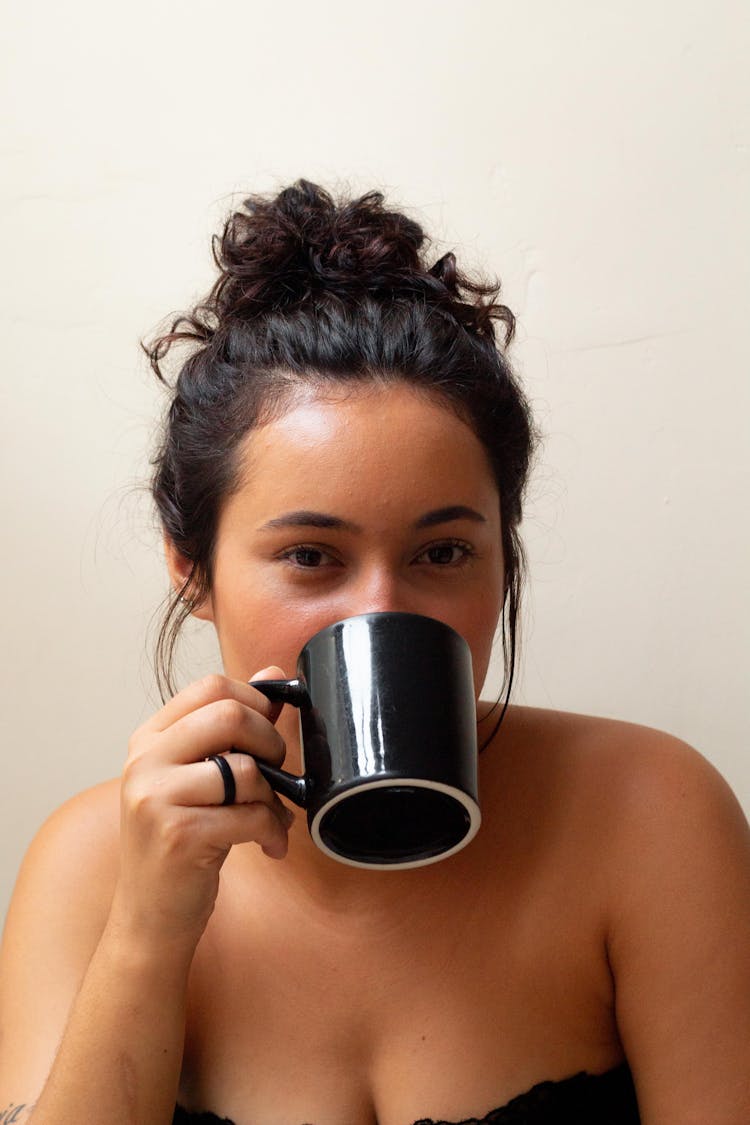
(388,731)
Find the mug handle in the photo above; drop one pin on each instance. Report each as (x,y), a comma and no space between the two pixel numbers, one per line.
(288,784)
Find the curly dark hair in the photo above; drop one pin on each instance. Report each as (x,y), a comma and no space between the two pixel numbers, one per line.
(313,290)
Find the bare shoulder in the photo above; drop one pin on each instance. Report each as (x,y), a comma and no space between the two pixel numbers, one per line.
(649,775)
(666,804)
(76,845)
(57,913)
(670,841)
(67,878)
(646,814)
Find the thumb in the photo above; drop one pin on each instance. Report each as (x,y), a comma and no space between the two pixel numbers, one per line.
(272,672)
(271,710)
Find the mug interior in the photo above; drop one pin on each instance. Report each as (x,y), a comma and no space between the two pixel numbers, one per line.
(396,824)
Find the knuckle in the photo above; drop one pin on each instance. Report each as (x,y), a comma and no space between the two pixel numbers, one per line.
(139,799)
(213,686)
(136,746)
(137,735)
(174,829)
(245,770)
(132,771)
(229,714)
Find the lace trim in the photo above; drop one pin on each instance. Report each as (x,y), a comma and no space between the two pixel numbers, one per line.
(586,1099)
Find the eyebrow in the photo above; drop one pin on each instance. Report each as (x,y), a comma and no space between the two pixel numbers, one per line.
(305,518)
(447,515)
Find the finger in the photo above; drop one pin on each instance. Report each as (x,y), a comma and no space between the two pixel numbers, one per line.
(209,690)
(202,783)
(243,824)
(217,728)
(273,672)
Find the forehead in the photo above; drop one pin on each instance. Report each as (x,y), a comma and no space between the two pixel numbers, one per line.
(376,439)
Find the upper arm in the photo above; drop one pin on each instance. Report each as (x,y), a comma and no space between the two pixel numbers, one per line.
(679,939)
(54,922)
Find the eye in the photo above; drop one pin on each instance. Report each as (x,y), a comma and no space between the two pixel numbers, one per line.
(448,552)
(307,557)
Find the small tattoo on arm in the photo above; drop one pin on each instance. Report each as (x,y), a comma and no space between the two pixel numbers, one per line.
(13,1113)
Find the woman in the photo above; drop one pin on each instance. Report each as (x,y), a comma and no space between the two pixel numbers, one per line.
(345,436)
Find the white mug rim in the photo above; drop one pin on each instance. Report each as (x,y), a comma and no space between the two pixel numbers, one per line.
(472,808)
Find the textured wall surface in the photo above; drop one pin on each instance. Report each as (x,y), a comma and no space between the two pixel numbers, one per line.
(595,156)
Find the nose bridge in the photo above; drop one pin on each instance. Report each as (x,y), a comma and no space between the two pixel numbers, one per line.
(381,588)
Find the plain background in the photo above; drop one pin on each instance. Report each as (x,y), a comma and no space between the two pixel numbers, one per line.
(594,156)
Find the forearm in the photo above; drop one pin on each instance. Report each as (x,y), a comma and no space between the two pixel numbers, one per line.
(120,1056)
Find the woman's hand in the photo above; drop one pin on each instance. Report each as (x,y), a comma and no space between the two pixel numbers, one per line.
(175,832)
(96,956)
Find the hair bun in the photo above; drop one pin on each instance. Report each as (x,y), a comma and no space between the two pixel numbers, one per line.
(302,249)
(280,251)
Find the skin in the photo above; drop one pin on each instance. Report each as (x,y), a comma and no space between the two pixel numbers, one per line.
(380,559)
(603,910)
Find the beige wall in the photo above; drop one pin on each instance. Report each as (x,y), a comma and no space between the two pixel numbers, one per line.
(595,155)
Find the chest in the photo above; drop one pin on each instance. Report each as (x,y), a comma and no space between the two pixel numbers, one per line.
(445,1008)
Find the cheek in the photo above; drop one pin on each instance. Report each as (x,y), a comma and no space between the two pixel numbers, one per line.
(480,631)
(253,640)
(481,645)
(256,629)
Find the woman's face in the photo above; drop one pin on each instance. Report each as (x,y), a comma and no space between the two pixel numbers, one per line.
(380,499)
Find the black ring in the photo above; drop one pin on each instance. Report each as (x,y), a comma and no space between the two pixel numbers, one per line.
(230,789)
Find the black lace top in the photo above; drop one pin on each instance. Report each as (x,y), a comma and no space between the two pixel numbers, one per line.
(584,1099)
